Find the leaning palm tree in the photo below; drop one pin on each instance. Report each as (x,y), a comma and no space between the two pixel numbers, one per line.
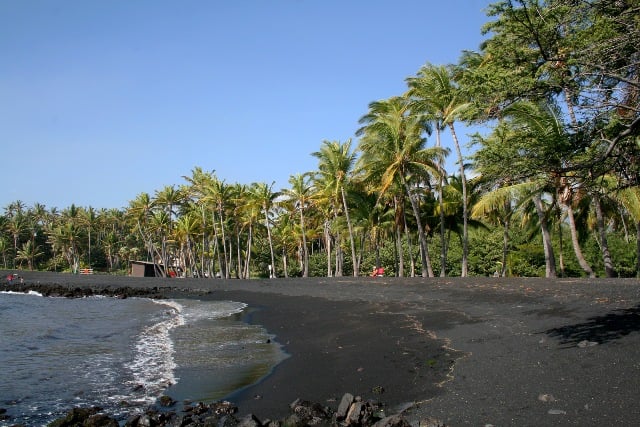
(435,94)
(518,153)
(393,152)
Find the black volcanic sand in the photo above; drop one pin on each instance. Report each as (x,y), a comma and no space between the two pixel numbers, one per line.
(473,351)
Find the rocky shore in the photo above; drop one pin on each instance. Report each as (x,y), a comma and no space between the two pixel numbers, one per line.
(352,411)
(445,351)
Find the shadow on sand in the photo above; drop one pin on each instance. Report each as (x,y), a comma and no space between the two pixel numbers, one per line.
(601,329)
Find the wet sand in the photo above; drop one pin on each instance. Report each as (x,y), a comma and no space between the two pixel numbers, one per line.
(474,351)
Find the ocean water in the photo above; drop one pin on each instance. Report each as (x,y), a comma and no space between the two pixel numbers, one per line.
(122,354)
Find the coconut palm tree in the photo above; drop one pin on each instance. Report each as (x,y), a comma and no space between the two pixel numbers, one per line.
(335,164)
(519,160)
(4,248)
(264,196)
(29,253)
(139,214)
(245,215)
(198,182)
(629,198)
(299,195)
(88,219)
(435,94)
(66,237)
(185,232)
(16,226)
(218,193)
(393,151)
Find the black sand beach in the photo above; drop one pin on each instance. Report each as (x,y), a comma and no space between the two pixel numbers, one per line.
(474,351)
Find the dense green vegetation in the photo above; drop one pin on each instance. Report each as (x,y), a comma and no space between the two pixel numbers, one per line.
(552,188)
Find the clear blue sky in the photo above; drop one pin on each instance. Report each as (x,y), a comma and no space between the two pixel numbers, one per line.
(101,100)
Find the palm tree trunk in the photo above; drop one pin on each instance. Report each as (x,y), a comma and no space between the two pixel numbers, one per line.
(273,258)
(354,260)
(327,239)
(561,247)
(284,263)
(443,247)
(549,257)
(505,248)
(338,253)
(412,263)
(247,268)
(424,251)
(305,250)
(576,244)
(398,238)
(465,213)
(225,269)
(338,245)
(609,270)
(638,249)
(398,235)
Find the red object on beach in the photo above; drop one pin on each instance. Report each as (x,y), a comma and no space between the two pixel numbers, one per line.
(378,272)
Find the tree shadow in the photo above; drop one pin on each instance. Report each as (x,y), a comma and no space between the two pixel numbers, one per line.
(600,329)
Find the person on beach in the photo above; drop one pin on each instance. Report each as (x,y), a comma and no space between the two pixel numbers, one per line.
(377,272)
(11,277)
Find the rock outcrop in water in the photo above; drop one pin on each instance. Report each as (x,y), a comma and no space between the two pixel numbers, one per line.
(352,411)
(69,291)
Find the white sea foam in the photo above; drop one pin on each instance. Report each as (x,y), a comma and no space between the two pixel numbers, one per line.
(153,366)
(32,293)
(194,310)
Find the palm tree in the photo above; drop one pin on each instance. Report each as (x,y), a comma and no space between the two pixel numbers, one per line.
(186,229)
(517,156)
(597,196)
(435,94)
(393,152)
(168,198)
(218,193)
(199,181)
(139,213)
(16,226)
(88,219)
(300,196)
(66,236)
(29,252)
(264,196)
(15,208)
(335,163)
(245,215)
(496,206)
(629,198)
(4,247)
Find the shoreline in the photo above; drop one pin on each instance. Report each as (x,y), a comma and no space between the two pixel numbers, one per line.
(464,351)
